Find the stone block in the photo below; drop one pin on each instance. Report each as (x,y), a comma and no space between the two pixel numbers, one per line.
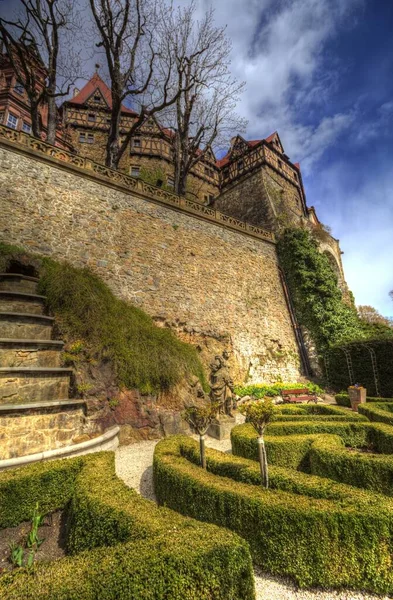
(220,428)
(33,386)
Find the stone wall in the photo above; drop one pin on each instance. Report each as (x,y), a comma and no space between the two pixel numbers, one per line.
(216,287)
(262,197)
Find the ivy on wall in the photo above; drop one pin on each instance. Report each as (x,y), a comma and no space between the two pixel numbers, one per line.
(318,301)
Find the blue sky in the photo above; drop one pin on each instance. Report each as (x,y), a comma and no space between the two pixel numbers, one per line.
(320,72)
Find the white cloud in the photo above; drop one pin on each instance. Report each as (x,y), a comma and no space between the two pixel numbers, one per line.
(278,48)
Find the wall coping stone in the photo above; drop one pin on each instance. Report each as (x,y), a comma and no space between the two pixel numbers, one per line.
(21,142)
(107,441)
(6,408)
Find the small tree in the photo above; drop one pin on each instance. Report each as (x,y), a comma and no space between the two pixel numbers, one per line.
(259,414)
(200,417)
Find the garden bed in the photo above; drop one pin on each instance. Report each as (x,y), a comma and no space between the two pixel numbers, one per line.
(52,532)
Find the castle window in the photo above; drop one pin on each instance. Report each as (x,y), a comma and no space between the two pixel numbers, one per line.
(136,142)
(135,171)
(240,165)
(1,117)
(12,121)
(171,182)
(108,120)
(26,127)
(19,89)
(97,98)
(82,138)
(91,117)
(90,138)
(279,164)
(226,172)
(295,176)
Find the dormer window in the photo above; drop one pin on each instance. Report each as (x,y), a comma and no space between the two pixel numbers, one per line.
(97,98)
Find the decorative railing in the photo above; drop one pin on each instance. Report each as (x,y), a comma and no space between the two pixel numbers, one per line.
(31,145)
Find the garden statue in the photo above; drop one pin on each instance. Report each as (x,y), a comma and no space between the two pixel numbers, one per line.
(221,385)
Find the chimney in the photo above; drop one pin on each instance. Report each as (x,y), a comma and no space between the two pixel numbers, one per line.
(76,92)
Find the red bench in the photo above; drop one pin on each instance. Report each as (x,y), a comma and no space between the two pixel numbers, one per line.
(298,396)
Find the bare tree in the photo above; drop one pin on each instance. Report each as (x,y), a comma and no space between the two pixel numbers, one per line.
(41,36)
(203,117)
(140,73)
(371,315)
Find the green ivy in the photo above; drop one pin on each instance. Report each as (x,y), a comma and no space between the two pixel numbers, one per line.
(317,298)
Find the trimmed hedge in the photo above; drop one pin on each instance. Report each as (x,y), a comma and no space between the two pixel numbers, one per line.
(343,399)
(346,540)
(379,412)
(314,413)
(124,546)
(326,455)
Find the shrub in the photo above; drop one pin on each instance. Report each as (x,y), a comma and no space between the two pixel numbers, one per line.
(380,412)
(382,347)
(260,390)
(342,399)
(123,546)
(315,540)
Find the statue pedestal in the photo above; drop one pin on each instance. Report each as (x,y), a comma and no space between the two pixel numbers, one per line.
(220,428)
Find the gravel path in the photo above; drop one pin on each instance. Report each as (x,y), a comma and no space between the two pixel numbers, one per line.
(134,466)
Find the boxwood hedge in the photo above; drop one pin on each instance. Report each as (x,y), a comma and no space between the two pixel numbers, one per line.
(122,546)
(343,399)
(312,529)
(381,412)
(326,455)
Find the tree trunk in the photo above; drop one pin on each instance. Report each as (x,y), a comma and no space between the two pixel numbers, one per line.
(112,158)
(202,451)
(52,118)
(35,119)
(263,462)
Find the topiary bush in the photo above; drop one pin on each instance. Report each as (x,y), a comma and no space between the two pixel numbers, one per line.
(381,412)
(122,546)
(314,530)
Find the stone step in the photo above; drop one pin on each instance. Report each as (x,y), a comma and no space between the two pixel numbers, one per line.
(30,353)
(25,326)
(21,302)
(19,385)
(26,433)
(15,282)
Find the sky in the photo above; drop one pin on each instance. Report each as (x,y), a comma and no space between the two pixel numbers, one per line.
(320,72)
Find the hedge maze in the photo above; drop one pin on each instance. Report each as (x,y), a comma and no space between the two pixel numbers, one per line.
(120,545)
(327,518)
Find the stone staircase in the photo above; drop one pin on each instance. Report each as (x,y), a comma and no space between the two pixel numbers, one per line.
(38,420)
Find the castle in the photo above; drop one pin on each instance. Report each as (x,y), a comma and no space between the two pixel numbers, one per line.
(254,183)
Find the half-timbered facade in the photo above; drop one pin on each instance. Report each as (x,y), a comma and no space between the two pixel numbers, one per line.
(14,101)
(150,152)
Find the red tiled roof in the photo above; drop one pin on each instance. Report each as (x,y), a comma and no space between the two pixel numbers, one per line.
(97,83)
(251,143)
